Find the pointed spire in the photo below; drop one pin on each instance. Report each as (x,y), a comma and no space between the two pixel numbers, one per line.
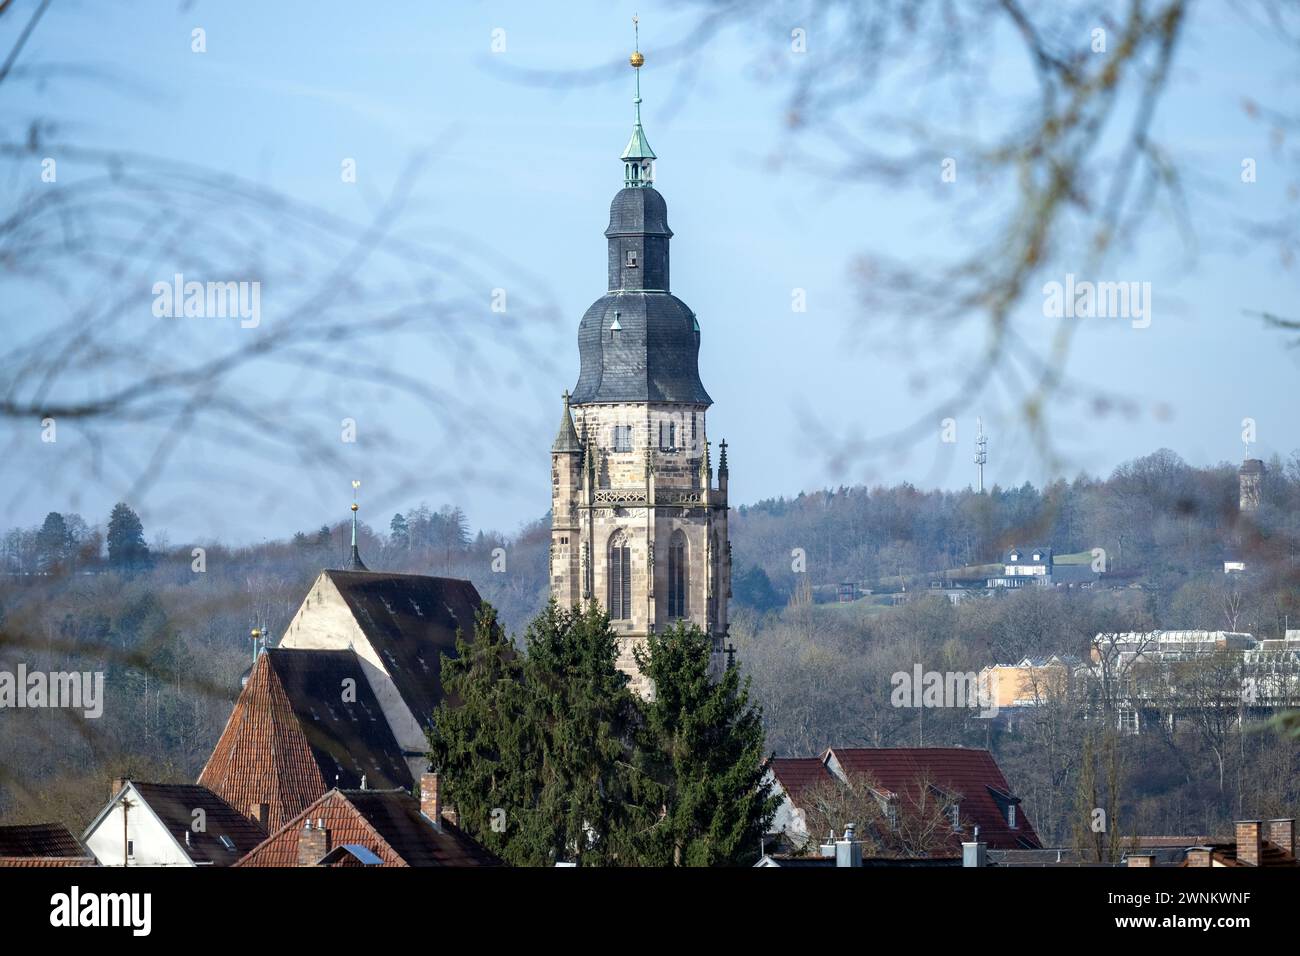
(567,439)
(722,459)
(354,562)
(638,157)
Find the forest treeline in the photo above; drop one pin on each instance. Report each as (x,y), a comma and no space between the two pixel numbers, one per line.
(173,639)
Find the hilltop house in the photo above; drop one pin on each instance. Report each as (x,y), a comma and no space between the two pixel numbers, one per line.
(1023,567)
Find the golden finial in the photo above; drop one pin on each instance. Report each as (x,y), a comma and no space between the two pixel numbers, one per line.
(636,59)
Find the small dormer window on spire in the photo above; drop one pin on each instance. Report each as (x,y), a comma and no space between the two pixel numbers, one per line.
(630,259)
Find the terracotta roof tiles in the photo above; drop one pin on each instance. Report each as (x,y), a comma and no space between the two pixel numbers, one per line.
(386,823)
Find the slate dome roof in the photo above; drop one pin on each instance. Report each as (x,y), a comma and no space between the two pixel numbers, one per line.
(639,344)
(638,211)
(653,357)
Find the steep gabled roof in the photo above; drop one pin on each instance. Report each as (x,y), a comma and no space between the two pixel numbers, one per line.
(386,823)
(42,844)
(348,738)
(174,805)
(292,735)
(411,620)
(970,773)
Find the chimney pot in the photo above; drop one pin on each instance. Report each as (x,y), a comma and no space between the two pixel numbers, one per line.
(313,843)
(848,852)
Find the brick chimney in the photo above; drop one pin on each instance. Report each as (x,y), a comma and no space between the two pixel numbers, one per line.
(1249,836)
(1199,856)
(1282,833)
(116,785)
(431,798)
(313,843)
(260,813)
(1143,860)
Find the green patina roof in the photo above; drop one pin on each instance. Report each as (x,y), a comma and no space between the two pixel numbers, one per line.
(567,439)
(638,147)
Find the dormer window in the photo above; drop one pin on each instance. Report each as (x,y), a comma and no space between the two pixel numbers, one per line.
(630,260)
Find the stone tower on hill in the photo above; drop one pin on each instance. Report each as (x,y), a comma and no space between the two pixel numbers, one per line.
(1250,479)
(638,522)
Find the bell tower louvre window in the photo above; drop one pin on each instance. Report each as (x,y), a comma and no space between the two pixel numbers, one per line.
(620,578)
(678,576)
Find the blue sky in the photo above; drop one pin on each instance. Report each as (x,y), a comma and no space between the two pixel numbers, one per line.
(286,90)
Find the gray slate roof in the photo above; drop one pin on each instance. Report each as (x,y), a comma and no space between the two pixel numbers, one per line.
(639,342)
(638,211)
(347,739)
(654,358)
(175,803)
(412,621)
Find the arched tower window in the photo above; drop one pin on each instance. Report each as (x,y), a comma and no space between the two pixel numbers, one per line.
(679,578)
(620,577)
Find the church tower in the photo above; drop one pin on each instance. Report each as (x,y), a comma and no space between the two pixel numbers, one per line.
(638,522)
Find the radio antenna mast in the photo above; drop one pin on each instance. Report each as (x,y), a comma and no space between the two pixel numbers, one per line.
(981,455)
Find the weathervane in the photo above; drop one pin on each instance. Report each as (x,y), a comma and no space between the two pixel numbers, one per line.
(638,157)
(355,564)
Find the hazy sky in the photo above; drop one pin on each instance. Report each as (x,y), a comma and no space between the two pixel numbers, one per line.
(286,91)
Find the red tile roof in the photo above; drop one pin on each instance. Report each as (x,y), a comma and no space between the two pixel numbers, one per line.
(42,844)
(291,736)
(388,823)
(797,774)
(972,774)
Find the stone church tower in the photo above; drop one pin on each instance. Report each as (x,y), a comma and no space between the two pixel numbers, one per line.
(638,522)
